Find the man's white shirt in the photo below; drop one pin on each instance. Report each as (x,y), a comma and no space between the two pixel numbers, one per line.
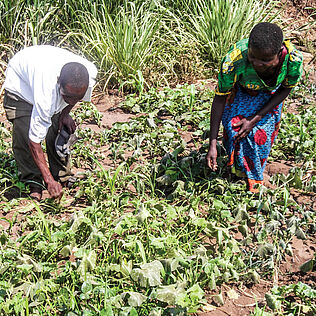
(32,75)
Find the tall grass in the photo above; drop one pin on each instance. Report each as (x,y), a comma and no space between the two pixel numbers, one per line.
(26,22)
(152,39)
(217,24)
(121,42)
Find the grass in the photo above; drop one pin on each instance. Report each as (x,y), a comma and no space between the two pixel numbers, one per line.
(148,42)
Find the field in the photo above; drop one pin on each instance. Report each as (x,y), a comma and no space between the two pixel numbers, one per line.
(148,229)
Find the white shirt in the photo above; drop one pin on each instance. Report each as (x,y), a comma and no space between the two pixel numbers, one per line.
(32,75)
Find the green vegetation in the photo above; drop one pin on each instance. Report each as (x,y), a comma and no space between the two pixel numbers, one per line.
(163,40)
(149,229)
(149,235)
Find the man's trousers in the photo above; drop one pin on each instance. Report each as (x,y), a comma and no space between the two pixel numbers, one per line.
(19,113)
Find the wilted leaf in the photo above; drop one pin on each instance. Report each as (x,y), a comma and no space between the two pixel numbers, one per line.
(196,293)
(88,263)
(265,250)
(148,274)
(133,299)
(307,266)
(218,299)
(254,276)
(300,234)
(165,180)
(142,214)
(169,293)
(272,301)
(232,294)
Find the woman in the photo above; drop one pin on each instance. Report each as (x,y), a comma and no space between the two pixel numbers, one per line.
(255,77)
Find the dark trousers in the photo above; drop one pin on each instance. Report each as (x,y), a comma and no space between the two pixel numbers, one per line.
(19,113)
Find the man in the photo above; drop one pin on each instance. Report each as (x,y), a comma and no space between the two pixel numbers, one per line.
(42,85)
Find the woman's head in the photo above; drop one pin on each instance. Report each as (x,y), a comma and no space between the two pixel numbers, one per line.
(264,46)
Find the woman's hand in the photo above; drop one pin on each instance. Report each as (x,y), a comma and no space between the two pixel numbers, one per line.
(245,125)
(212,156)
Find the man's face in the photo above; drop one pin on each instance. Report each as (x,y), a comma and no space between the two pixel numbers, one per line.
(72,95)
(262,61)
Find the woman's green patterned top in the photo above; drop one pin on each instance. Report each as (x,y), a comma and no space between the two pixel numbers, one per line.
(235,67)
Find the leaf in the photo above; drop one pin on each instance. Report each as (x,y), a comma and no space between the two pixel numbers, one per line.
(126,267)
(243,229)
(151,122)
(133,299)
(254,276)
(219,205)
(232,294)
(170,265)
(78,219)
(265,250)
(66,251)
(140,248)
(196,293)
(142,214)
(148,274)
(208,308)
(86,287)
(242,213)
(169,294)
(28,208)
(307,266)
(155,312)
(300,234)
(88,263)
(289,250)
(212,282)
(272,301)
(107,311)
(218,299)
(165,180)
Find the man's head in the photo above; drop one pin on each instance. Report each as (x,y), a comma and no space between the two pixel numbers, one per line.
(73,82)
(264,46)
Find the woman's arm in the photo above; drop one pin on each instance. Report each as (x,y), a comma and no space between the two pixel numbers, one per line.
(218,106)
(248,123)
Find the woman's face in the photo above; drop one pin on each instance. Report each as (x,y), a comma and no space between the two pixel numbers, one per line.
(262,60)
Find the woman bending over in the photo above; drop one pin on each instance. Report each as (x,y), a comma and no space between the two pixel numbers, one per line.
(255,77)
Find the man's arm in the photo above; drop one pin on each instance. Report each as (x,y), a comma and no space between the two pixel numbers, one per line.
(54,188)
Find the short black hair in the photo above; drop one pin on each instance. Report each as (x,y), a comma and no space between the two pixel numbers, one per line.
(74,74)
(266,36)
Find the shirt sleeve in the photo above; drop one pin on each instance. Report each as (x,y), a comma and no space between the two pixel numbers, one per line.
(294,70)
(227,76)
(44,106)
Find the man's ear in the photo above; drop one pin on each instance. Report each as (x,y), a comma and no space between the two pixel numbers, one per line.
(58,80)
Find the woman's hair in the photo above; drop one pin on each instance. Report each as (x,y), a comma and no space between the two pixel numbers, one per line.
(266,36)
(74,74)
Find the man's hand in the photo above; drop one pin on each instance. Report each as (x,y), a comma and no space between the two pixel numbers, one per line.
(246,125)
(66,120)
(212,156)
(55,189)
